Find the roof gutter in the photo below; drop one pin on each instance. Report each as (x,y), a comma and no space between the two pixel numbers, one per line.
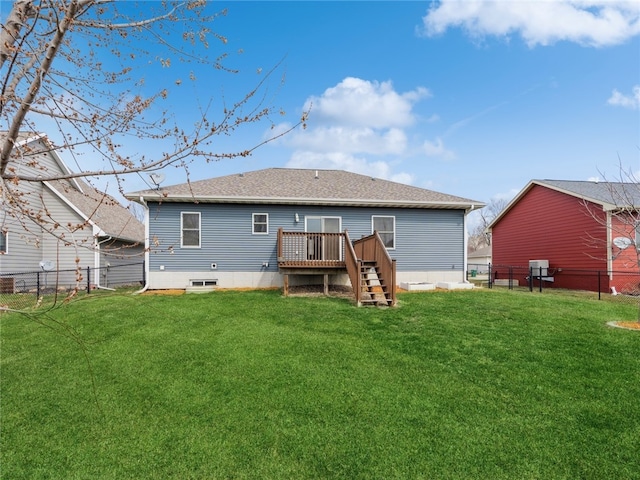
(306,201)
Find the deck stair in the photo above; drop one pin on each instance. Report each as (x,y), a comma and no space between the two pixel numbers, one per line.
(371,270)
(374,290)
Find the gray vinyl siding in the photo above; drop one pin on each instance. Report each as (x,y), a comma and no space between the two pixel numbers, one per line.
(24,235)
(121,264)
(22,254)
(26,238)
(66,246)
(426,240)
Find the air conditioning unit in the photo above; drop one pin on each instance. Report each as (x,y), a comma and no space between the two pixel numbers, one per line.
(536,265)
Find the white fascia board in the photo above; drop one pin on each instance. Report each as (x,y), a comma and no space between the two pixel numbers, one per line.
(28,140)
(513,201)
(351,202)
(54,154)
(97,231)
(605,205)
(525,190)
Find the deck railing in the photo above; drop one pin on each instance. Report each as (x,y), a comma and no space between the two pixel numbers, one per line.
(311,249)
(353,268)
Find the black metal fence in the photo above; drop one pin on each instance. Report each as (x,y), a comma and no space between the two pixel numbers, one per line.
(620,284)
(22,290)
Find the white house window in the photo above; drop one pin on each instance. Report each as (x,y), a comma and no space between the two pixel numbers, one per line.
(4,242)
(190,227)
(386,228)
(260,223)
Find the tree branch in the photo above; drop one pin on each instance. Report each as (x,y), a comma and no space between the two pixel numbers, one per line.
(41,72)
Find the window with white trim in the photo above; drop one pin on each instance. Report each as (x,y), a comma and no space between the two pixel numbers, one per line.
(190,230)
(386,228)
(260,223)
(4,242)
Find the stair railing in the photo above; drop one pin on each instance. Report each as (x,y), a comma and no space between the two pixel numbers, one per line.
(372,249)
(352,262)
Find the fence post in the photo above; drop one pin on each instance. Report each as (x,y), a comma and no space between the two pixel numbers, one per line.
(490,285)
(540,279)
(144,274)
(88,280)
(531,279)
(38,284)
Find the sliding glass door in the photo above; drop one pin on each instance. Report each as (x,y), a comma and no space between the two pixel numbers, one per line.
(323,247)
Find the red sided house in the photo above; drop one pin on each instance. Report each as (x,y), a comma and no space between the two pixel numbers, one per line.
(570,234)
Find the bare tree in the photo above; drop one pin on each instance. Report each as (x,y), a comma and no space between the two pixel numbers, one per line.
(85,73)
(82,65)
(620,219)
(478,237)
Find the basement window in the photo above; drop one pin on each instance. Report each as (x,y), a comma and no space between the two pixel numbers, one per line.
(204,283)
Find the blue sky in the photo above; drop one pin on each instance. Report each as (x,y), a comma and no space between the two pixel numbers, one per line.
(466,97)
(471,103)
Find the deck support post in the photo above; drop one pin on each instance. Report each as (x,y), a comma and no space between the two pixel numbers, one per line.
(285,287)
(326,285)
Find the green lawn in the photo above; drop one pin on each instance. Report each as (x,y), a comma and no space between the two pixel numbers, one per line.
(483,384)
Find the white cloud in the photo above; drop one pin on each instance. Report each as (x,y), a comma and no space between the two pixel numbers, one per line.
(363,127)
(361,103)
(597,23)
(348,162)
(628,101)
(437,149)
(351,140)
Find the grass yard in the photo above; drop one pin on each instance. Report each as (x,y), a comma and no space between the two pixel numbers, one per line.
(487,384)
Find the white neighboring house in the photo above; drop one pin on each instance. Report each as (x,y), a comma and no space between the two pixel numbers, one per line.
(78,227)
(480,259)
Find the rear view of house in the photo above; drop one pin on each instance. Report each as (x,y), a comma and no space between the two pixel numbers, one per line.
(570,232)
(262,228)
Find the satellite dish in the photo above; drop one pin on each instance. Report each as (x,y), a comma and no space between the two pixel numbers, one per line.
(47,265)
(622,242)
(157,178)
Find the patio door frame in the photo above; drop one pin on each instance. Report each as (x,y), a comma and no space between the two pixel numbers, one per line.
(327,245)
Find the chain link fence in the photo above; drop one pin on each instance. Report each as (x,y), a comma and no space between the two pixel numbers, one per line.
(24,290)
(620,286)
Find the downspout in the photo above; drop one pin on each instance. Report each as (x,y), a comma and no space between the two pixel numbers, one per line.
(466,244)
(97,276)
(145,287)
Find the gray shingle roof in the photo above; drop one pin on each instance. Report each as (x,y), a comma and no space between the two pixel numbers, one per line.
(303,186)
(103,210)
(609,194)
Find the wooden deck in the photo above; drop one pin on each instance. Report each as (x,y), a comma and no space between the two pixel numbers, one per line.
(371,271)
